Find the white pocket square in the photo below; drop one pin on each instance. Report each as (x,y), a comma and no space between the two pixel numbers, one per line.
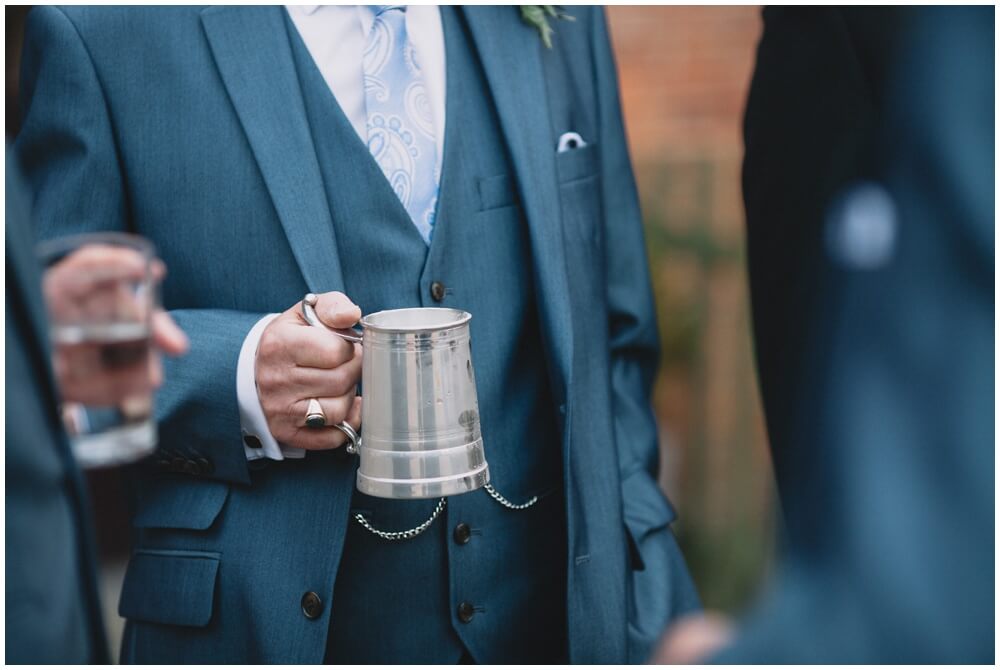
(569,141)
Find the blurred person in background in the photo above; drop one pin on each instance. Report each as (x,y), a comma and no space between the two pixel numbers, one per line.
(892,559)
(51,597)
(811,125)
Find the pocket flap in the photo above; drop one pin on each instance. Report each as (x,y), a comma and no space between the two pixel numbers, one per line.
(170,587)
(176,501)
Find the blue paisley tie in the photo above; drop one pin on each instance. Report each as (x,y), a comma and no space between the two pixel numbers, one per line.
(400,123)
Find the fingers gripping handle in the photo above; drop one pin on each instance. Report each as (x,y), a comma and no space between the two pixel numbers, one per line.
(309,313)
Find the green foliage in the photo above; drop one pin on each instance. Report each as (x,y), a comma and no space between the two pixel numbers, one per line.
(537,16)
(725,527)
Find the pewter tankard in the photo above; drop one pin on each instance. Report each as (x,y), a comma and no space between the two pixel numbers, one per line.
(420,435)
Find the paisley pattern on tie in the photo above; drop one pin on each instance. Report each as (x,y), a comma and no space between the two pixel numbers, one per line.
(400,121)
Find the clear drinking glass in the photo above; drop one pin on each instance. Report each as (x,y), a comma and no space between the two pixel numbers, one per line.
(100,294)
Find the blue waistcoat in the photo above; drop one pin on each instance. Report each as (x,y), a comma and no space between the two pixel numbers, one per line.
(400,600)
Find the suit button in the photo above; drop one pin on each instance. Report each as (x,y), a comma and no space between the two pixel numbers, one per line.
(177,464)
(437,291)
(191,468)
(312,606)
(462,533)
(465,611)
(252,441)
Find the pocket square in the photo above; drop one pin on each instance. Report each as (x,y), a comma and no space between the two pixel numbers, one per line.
(569,141)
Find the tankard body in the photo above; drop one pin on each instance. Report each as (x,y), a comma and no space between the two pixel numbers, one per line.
(420,434)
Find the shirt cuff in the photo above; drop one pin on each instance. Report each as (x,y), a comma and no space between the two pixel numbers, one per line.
(257,439)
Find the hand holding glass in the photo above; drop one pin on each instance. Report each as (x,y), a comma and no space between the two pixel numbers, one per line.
(100,294)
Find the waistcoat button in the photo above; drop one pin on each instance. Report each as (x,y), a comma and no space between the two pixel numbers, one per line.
(437,291)
(462,533)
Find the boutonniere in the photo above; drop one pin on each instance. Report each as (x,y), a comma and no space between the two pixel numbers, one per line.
(537,16)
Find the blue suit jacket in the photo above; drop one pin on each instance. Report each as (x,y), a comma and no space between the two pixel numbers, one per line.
(52,611)
(186,125)
(894,562)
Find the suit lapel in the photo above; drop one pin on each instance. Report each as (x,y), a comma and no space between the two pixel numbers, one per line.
(251,49)
(509,51)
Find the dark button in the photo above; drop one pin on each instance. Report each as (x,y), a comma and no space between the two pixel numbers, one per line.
(252,441)
(465,611)
(177,465)
(462,533)
(205,466)
(312,606)
(437,291)
(191,468)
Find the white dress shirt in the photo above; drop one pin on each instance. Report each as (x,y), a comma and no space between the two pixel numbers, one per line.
(335,36)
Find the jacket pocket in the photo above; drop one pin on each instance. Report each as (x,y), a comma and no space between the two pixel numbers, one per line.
(172,587)
(578,171)
(577,164)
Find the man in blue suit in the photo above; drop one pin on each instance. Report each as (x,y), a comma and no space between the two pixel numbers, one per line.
(381,157)
(894,559)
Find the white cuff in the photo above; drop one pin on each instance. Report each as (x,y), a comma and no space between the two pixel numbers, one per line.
(252,420)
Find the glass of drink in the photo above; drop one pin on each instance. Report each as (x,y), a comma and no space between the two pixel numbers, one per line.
(100,293)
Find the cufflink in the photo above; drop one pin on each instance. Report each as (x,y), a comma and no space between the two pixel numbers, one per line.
(252,441)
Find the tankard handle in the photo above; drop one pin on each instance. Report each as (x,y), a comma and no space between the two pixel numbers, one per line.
(309,312)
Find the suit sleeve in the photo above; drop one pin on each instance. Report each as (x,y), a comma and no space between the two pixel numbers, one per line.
(632,315)
(68,149)
(662,586)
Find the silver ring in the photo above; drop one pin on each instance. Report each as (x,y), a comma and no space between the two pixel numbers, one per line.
(353,440)
(315,418)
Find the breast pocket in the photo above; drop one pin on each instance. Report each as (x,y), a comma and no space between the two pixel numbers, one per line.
(578,172)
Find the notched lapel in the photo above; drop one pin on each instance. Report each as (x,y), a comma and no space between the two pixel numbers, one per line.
(509,50)
(250,46)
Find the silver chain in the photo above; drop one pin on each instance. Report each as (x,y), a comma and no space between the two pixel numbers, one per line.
(402,534)
(411,533)
(506,503)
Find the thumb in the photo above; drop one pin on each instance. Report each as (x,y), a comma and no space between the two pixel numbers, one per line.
(336,310)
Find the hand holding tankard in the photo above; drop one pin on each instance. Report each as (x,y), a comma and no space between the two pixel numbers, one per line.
(298,367)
